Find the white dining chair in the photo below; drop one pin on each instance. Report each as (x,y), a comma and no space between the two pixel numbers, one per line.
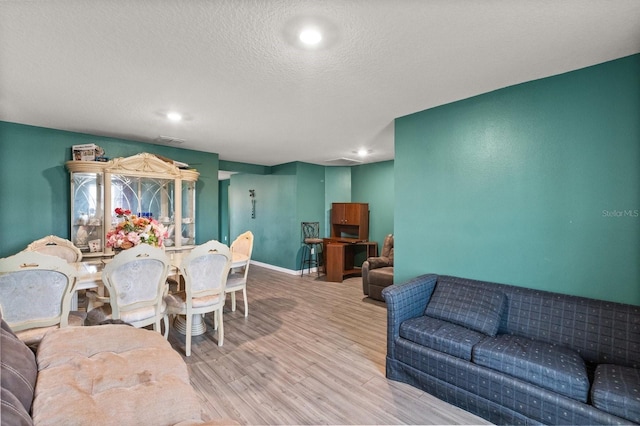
(35,294)
(136,280)
(242,247)
(205,270)
(56,246)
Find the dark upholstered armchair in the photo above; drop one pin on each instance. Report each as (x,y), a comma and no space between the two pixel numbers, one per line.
(377,272)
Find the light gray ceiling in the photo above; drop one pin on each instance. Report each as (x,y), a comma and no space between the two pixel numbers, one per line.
(250,92)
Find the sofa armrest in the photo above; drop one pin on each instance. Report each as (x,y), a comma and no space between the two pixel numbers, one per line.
(405,301)
(379,262)
(365,277)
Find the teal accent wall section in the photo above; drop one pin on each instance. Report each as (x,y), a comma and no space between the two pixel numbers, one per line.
(276,238)
(35,188)
(534,185)
(337,190)
(293,193)
(373,183)
(309,200)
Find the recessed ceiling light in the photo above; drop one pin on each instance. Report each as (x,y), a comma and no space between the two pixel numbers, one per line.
(310,36)
(174,116)
(363,152)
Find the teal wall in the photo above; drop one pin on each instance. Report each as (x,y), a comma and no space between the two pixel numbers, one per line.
(337,190)
(373,183)
(309,200)
(293,193)
(34,190)
(301,192)
(276,232)
(534,185)
(310,194)
(34,183)
(223,189)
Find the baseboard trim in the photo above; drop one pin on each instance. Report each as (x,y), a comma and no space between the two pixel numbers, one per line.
(280,269)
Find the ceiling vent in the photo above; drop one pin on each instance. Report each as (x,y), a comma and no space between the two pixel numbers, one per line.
(343,161)
(168,140)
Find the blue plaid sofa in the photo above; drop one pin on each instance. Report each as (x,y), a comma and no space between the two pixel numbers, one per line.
(514,355)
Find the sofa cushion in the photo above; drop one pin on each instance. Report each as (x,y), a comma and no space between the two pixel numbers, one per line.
(616,390)
(476,308)
(381,277)
(18,373)
(441,335)
(556,368)
(111,374)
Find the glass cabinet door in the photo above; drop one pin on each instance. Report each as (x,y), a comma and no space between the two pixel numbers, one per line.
(188,213)
(87,207)
(145,197)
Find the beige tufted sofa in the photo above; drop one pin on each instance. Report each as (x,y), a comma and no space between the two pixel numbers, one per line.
(104,375)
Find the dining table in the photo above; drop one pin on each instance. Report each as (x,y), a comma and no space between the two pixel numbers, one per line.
(89,277)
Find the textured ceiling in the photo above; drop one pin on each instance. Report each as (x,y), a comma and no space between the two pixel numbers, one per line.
(251,93)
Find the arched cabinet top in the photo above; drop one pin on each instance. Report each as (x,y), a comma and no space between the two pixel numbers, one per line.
(143,165)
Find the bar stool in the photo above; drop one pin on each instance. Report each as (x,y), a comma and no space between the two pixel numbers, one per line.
(312,249)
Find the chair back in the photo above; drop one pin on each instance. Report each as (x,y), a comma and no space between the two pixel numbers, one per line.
(137,278)
(311,232)
(387,246)
(243,245)
(205,270)
(35,290)
(56,246)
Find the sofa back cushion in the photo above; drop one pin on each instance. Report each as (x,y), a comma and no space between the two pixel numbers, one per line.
(18,373)
(553,367)
(600,331)
(476,308)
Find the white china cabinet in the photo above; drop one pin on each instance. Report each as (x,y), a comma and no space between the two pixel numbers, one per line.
(144,184)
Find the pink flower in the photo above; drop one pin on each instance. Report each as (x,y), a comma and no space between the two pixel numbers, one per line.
(134,230)
(133,237)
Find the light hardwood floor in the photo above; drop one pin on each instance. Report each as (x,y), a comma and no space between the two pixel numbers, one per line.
(310,352)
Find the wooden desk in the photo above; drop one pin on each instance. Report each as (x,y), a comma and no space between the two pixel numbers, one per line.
(339,256)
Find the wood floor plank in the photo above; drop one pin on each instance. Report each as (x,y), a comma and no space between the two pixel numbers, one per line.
(310,352)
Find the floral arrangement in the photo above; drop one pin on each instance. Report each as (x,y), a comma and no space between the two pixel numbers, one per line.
(134,230)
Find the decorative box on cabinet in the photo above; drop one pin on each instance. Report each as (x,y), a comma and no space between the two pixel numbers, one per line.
(142,183)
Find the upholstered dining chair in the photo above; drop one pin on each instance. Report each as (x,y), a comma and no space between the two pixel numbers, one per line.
(241,248)
(205,270)
(56,246)
(35,294)
(62,248)
(136,280)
